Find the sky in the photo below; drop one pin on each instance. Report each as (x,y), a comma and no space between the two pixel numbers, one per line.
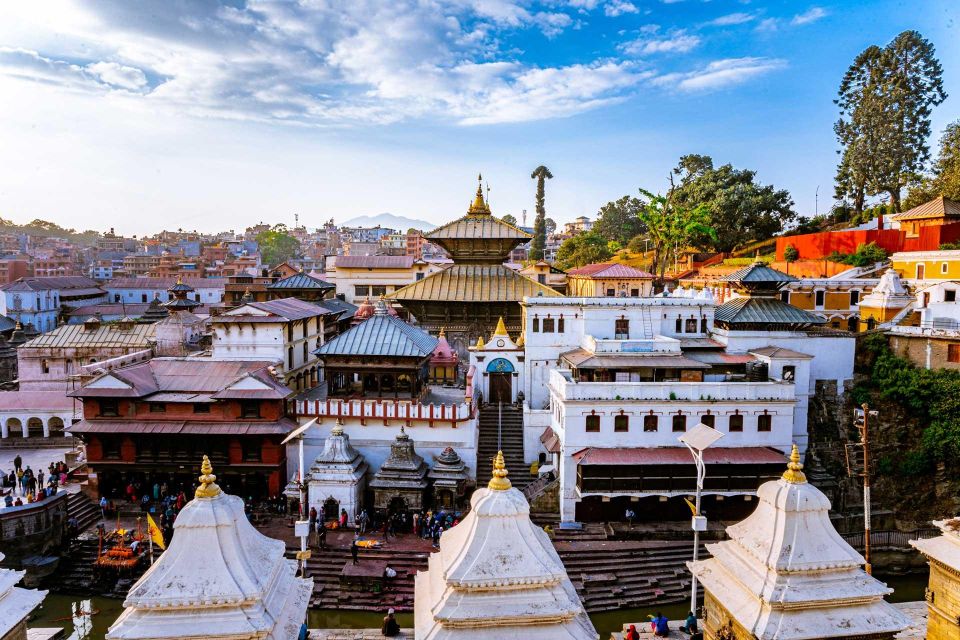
(218,115)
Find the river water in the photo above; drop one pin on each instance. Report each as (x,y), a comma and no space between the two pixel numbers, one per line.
(89,618)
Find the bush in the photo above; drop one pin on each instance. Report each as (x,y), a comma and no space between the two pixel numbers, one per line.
(865,255)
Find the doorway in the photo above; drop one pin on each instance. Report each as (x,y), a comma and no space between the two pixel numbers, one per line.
(501,387)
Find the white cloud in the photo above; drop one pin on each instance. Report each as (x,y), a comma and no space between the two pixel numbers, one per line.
(768,25)
(720,74)
(619,7)
(118,75)
(810,15)
(732,19)
(675,42)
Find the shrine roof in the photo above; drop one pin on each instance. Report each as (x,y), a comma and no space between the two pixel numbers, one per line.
(381,335)
(474,283)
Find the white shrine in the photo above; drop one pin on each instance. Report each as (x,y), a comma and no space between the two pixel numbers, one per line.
(337,477)
(15,604)
(219,578)
(786,574)
(497,575)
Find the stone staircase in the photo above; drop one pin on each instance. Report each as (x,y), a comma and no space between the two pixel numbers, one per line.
(511,441)
(84,509)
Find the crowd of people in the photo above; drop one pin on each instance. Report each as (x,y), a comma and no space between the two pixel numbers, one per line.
(23,485)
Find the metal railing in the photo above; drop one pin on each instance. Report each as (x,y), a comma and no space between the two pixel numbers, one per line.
(890,539)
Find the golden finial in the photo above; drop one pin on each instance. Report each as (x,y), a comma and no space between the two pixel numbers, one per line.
(479,206)
(501,328)
(794,473)
(179,279)
(479,344)
(208,482)
(521,341)
(499,481)
(337,429)
(443,332)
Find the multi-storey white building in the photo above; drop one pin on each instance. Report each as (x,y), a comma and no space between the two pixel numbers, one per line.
(144,289)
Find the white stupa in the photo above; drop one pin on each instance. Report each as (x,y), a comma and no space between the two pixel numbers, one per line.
(338,474)
(219,578)
(786,574)
(15,604)
(497,575)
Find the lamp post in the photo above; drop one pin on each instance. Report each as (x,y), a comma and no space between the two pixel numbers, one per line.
(302,526)
(697,440)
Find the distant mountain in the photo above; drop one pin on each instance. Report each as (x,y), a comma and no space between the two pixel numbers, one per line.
(389,221)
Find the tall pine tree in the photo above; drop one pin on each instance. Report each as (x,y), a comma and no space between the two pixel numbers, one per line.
(541,174)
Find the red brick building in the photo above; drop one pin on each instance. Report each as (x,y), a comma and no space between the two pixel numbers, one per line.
(150,422)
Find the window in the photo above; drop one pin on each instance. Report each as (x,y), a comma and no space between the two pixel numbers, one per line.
(593,424)
(111,448)
(109,408)
(634,293)
(361,290)
(143,297)
(305,349)
(736,423)
(621,424)
(542,278)
(650,423)
(610,293)
(709,419)
(378,290)
(678,325)
(45,366)
(789,373)
(764,422)
(818,298)
(785,297)
(949,295)
(921,271)
(854,298)
(201,407)
(943,267)
(703,324)
(157,407)
(953,353)
(548,324)
(560,325)
(680,422)
(249,408)
(420,276)
(251,450)
(691,325)
(621,329)
(290,357)
(536,325)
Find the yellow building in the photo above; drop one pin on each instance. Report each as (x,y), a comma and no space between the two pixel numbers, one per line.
(943,590)
(836,300)
(885,302)
(545,273)
(610,279)
(927,265)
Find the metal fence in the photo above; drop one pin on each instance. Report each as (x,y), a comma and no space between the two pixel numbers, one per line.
(890,539)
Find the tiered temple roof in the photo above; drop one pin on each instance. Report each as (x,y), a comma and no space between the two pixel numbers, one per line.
(759,306)
(402,475)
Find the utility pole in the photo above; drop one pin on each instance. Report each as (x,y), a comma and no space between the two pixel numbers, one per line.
(862,422)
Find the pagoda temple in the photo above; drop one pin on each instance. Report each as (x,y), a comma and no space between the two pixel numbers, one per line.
(219,578)
(450,477)
(180,300)
(786,574)
(758,305)
(401,483)
(468,297)
(497,575)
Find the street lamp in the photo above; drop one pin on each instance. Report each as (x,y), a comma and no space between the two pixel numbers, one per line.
(302,526)
(697,440)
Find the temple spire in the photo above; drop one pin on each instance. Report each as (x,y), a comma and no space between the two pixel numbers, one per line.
(499,481)
(501,328)
(208,482)
(794,473)
(479,206)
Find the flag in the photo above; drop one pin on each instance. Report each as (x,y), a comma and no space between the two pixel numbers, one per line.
(155,533)
(693,507)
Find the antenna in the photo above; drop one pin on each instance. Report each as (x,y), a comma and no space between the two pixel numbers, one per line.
(488,195)
(816,202)
(524,216)
(296,220)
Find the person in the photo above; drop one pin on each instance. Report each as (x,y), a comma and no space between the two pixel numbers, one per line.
(389,572)
(17,463)
(630,516)
(632,633)
(313,519)
(304,632)
(659,625)
(355,551)
(103,507)
(8,500)
(690,624)
(343,518)
(321,535)
(390,628)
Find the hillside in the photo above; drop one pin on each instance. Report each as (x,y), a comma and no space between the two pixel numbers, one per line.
(389,221)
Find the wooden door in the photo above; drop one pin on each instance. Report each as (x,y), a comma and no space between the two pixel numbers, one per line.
(501,387)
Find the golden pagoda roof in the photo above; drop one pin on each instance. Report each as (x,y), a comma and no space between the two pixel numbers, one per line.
(473,283)
(501,329)
(482,227)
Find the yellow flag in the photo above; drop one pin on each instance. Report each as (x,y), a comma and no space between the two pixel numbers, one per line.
(693,507)
(155,533)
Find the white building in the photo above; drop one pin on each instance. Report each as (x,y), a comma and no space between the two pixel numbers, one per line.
(142,290)
(337,478)
(285,331)
(219,578)
(16,604)
(360,277)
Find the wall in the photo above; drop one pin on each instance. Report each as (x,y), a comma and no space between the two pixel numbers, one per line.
(937,265)
(943,603)
(925,351)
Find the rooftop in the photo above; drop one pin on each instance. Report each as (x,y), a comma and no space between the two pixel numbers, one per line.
(301,281)
(163,283)
(62,283)
(763,311)
(288,309)
(374,262)
(381,335)
(609,270)
(105,335)
(474,283)
(937,208)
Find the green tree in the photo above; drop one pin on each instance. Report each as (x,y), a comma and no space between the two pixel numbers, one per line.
(885,100)
(550,225)
(945,178)
(741,210)
(276,246)
(541,174)
(620,220)
(509,219)
(671,227)
(790,254)
(581,249)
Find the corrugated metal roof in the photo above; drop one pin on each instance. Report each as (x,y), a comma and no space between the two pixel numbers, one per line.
(679,455)
(173,427)
(336,305)
(381,335)
(610,270)
(719,357)
(285,308)
(481,226)
(756,273)
(107,335)
(301,281)
(473,283)
(34,400)
(937,208)
(582,358)
(7,324)
(550,440)
(780,352)
(46,283)
(763,311)
(374,262)
(163,283)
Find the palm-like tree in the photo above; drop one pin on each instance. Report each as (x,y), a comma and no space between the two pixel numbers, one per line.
(541,174)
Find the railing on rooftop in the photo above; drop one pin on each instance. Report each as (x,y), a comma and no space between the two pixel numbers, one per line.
(405,411)
(670,391)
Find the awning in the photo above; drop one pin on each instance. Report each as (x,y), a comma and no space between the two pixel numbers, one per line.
(719,357)
(581,358)
(281,427)
(550,440)
(679,455)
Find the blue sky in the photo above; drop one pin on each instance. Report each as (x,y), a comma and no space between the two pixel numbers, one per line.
(143,115)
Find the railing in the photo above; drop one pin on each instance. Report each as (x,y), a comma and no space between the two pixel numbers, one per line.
(673,391)
(890,539)
(539,485)
(386,410)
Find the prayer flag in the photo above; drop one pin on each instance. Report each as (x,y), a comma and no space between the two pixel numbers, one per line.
(155,533)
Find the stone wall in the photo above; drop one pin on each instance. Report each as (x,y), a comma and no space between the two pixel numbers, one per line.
(915,349)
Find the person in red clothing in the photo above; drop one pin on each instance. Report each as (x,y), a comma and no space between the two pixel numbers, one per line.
(632,633)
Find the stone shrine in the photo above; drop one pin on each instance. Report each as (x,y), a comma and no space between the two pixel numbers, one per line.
(401,482)
(219,578)
(497,575)
(449,476)
(336,479)
(786,574)
(943,590)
